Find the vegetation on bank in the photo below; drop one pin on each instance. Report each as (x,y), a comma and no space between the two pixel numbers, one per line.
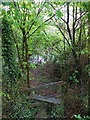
(57,36)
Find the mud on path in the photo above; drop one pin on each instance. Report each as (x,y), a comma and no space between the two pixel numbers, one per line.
(40,77)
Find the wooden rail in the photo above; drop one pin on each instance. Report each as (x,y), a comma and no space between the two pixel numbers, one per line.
(45,85)
(45,99)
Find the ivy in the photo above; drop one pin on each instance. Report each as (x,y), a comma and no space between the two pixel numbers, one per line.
(8,53)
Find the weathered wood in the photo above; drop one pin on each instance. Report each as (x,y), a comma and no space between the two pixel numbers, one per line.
(45,99)
(45,85)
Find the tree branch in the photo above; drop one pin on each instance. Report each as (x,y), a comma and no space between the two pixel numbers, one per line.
(63,35)
(39,11)
(69,32)
(82,15)
(73,36)
(40,26)
(82,25)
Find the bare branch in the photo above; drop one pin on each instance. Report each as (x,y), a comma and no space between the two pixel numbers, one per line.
(67,13)
(76,15)
(73,26)
(68,21)
(63,35)
(78,20)
(82,25)
(40,9)
(82,15)
(58,49)
(63,20)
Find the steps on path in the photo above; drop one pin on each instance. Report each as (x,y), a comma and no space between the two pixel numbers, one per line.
(45,99)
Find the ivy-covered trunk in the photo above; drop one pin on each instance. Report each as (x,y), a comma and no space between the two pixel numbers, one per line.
(88,63)
(9,56)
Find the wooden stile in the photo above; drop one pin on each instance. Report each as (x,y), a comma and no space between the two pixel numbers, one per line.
(45,85)
(45,99)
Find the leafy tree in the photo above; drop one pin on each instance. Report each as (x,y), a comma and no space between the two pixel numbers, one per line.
(57,31)
(27,18)
(86,6)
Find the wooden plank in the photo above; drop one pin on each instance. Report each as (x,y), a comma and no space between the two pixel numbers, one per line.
(45,99)
(45,85)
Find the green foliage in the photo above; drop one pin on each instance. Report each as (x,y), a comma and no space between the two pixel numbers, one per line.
(22,110)
(8,52)
(6,3)
(33,66)
(86,5)
(82,118)
(56,111)
(74,77)
(59,13)
(87,68)
(26,20)
(84,51)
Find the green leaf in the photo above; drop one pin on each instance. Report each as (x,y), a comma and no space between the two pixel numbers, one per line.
(50,14)
(6,3)
(24,63)
(59,13)
(88,117)
(71,78)
(78,116)
(76,81)
(76,71)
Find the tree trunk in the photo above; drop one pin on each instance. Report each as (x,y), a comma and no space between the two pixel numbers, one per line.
(27,64)
(88,63)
